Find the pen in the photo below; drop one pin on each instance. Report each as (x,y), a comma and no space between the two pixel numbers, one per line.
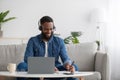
(69,69)
(72,63)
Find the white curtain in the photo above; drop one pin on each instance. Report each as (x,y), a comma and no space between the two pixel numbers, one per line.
(112,40)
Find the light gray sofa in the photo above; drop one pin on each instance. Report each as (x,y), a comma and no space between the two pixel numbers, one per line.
(85,56)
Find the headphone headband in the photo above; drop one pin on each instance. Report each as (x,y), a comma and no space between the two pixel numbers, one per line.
(43,20)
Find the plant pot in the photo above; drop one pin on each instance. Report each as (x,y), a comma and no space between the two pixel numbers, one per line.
(1,33)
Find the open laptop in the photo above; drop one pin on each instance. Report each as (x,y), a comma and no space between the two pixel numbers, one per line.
(41,65)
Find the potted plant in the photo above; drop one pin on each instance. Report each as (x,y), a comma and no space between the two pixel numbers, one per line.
(73,38)
(3,19)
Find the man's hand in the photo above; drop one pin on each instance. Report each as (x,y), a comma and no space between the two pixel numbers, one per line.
(70,68)
(56,69)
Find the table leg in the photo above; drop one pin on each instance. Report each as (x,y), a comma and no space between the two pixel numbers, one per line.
(41,78)
(81,78)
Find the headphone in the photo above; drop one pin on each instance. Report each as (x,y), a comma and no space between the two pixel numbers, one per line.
(40,27)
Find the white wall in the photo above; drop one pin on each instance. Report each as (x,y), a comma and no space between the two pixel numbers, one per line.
(113,38)
(68,15)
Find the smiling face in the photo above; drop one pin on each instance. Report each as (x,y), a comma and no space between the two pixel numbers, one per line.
(47,30)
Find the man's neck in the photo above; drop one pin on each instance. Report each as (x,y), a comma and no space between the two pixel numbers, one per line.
(45,40)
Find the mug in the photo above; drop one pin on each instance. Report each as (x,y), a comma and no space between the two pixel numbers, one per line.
(11,67)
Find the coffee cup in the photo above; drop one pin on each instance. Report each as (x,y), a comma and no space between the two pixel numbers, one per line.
(11,67)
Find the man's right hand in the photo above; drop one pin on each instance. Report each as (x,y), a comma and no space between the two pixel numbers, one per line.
(69,67)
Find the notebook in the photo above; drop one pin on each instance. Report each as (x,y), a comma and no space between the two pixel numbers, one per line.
(41,65)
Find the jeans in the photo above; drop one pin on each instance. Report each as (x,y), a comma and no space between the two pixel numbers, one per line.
(23,67)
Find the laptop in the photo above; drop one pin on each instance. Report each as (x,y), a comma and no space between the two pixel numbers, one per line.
(41,65)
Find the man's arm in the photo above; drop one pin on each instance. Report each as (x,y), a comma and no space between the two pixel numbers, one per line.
(65,59)
(29,50)
(63,54)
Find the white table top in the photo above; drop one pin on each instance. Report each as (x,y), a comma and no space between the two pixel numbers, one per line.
(55,75)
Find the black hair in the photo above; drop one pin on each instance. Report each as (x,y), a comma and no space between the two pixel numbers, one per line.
(43,20)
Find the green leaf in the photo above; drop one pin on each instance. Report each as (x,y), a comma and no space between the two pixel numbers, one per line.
(67,39)
(9,19)
(75,40)
(76,34)
(3,15)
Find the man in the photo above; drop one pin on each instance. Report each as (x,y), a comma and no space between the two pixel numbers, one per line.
(48,45)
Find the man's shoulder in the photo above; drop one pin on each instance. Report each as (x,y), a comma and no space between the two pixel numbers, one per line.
(34,37)
(57,38)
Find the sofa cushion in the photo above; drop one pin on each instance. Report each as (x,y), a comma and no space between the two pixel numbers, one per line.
(11,54)
(83,54)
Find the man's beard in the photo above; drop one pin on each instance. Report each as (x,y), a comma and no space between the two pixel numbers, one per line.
(46,37)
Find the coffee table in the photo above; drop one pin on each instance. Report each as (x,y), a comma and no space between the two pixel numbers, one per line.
(59,74)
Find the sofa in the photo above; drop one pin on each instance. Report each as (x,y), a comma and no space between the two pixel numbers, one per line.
(85,56)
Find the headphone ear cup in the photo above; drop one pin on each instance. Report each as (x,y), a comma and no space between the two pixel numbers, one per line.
(40,28)
(54,27)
